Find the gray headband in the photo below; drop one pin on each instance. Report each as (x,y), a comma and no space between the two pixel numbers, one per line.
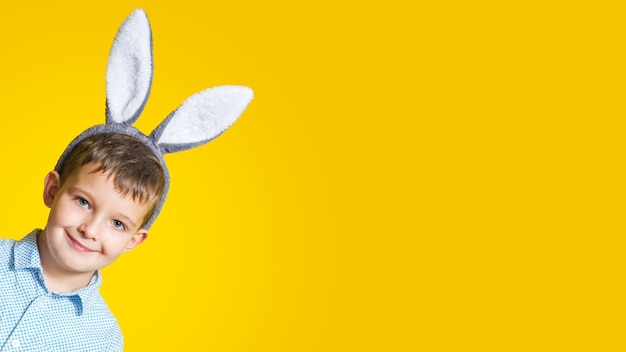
(197,121)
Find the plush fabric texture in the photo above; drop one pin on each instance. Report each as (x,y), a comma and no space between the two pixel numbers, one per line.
(200,119)
(129,69)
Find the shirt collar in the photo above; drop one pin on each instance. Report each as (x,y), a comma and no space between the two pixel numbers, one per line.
(26,256)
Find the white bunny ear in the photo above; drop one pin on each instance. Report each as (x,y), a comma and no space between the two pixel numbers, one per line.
(129,70)
(202,117)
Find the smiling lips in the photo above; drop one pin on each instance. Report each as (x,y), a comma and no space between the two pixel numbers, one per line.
(79,246)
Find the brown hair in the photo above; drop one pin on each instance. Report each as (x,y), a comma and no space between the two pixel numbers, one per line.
(136,171)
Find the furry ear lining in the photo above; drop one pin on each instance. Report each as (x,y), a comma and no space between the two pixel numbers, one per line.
(129,70)
(202,117)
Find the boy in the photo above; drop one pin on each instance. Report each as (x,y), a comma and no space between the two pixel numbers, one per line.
(105,192)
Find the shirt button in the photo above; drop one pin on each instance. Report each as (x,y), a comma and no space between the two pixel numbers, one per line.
(15,343)
(40,303)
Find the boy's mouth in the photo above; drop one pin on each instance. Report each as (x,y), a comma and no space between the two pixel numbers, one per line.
(77,245)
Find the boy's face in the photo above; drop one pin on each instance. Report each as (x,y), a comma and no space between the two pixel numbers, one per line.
(90,222)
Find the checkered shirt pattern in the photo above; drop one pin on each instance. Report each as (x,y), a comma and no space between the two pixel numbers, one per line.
(34,319)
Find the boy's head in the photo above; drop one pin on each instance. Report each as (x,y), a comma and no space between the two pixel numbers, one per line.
(135,170)
(101,198)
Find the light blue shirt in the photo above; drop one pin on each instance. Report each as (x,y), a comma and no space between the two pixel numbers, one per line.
(35,319)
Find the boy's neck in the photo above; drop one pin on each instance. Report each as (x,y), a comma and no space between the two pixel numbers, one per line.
(64,283)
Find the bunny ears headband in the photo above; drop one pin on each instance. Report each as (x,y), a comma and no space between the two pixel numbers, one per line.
(201,118)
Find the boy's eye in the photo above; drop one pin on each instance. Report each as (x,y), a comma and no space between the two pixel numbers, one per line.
(82,202)
(119,225)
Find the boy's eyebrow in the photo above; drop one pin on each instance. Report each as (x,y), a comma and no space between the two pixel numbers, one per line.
(121,216)
(79,190)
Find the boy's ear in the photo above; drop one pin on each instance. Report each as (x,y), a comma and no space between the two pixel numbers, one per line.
(137,239)
(51,185)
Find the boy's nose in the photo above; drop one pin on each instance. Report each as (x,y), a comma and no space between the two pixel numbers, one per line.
(89,228)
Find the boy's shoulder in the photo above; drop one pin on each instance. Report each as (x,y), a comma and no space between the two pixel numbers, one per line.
(6,250)
(12,251)
(6,243)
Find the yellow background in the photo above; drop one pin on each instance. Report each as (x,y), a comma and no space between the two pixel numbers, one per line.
(444,176)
